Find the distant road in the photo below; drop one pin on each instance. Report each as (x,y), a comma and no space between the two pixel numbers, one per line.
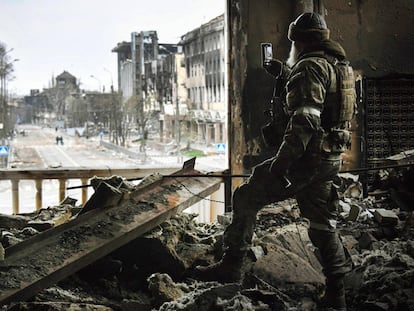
(38,149)
(40,143)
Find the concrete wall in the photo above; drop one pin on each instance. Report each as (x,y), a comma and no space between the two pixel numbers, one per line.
(250,87)
(377,36)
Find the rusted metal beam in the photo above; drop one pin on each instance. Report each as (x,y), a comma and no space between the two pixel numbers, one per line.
(54,254)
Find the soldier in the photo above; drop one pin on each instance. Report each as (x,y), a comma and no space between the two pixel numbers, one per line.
(306,162)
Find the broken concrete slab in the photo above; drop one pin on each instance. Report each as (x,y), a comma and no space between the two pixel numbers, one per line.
(51,217)
(13,221)
(281,266)
(105,195)
(210,296)
(386,217)
(163,288)
(354,212)
(354,191)
(351,244)
(56,253)
(366,240)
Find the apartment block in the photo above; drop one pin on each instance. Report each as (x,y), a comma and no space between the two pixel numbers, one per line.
(180,87)
(204,57)
(146,79)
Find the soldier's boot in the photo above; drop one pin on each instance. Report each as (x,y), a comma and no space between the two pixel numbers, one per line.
(334,298)
(228,270)
(335,265)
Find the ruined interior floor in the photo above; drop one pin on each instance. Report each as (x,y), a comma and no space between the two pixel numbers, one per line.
(149,273)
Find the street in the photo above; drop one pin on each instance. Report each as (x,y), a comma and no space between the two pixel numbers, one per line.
(38,148)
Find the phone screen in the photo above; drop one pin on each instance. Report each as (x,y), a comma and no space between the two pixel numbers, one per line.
(267,53)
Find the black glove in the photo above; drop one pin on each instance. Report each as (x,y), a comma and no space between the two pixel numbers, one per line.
(277,169)
(280,171)
(274,67)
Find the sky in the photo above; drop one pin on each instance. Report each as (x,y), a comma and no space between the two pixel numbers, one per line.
(50,36)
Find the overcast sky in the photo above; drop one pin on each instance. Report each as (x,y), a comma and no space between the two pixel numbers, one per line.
(50,36)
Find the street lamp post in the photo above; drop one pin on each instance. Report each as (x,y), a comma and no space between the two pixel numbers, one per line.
(113,120)
(112,81)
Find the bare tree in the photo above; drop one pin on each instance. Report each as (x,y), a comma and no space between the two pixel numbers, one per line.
(144,115)
(6,71)
(77,111)
(57,96)
(118,124)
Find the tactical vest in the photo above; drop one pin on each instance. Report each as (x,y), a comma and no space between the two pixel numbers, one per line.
(339,107)
(340,103)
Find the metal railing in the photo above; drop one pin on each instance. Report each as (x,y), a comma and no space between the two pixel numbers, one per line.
(65,174)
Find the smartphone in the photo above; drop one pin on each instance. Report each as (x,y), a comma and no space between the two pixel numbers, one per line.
(267,53)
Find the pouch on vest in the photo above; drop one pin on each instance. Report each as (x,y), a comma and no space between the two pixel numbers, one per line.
(337,141)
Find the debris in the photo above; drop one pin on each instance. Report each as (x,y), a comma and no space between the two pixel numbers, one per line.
(69,201)
(13,221)
(354,191)
(148,273)
(354,212)
(1,254)
(386,217)
(163,288)
(56,306)
(59,252)
(105,195)
(351,244)
(366,240)
(51,217)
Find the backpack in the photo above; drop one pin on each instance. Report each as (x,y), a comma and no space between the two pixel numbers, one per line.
(340,107)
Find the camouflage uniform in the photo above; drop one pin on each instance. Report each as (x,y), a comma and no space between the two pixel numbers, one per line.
(301,160)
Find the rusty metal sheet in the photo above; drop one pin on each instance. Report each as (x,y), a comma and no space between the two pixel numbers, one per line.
(52,255)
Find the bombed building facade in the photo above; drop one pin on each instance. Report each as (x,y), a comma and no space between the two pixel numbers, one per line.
(182,85)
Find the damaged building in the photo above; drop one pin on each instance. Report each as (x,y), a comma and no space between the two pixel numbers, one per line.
(129,247)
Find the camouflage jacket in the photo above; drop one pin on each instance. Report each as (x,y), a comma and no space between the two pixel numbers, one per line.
(311,80)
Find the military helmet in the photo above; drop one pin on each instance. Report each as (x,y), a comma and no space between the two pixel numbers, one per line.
(308,27)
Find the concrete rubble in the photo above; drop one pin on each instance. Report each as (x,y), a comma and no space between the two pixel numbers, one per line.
(149,273)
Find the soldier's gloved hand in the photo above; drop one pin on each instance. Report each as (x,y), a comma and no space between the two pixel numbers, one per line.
(274,67)
(279,169)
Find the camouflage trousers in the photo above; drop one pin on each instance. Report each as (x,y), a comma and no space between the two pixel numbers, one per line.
(317,200)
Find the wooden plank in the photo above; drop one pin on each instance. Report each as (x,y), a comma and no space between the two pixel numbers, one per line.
(51,256)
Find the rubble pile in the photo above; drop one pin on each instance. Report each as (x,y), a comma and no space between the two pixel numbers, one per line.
(378,232)
(150,273)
